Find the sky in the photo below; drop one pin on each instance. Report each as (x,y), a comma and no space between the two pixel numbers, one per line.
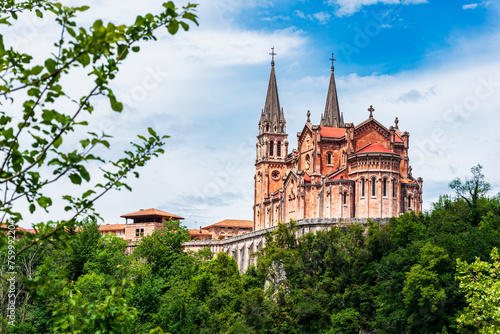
(433,64)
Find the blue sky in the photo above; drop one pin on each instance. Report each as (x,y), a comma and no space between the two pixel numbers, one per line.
(433,64)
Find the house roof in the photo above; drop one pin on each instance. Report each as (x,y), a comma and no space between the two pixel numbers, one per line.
(232,223)
(374,148)
(111,227)
(327,131)
(18,228)
(407,181)
(196,232)
(151,212)
(398,139)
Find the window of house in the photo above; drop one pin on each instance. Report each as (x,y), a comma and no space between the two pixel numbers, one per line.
(271,148)
(267,127)
(345,197)
(329,158)
(139,232)
(409,202)
(278,149)
(373,186)
(362,187)
(393,188)
(385,188)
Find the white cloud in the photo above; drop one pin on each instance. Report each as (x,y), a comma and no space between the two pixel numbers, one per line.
(321,17)
(349,7)
(276,18)
(470,6)
(483,4)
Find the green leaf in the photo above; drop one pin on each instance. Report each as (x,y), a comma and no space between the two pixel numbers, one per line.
(152,132)
(115,105)
(36,70)
(84,173)
(190,16)
(58,142)
(173,27)
(32,208)
(88,193)
(84,59)
(75,178)
(136,48)
(50,65)
(39,13)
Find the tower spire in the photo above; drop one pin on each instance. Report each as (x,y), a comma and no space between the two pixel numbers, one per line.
(272,119)
(331,117)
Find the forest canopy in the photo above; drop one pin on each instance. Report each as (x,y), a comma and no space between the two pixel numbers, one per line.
(435,272)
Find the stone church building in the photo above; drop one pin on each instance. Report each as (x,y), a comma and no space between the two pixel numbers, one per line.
(339,170)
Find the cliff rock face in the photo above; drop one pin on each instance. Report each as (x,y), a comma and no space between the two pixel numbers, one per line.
(276,279)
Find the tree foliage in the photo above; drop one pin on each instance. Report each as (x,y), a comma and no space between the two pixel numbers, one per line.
(480,282)
(45,139)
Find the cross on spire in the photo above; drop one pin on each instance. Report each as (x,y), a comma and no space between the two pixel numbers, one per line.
(371,110)
(332,59)
(272,55)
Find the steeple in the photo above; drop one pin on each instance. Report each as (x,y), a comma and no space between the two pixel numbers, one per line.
(332,117)
(272,119)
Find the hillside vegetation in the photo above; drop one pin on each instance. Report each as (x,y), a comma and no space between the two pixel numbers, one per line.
(426,273)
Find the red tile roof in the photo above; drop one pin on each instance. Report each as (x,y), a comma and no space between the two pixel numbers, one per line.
(232,223)
(112,227)
(19,228)
(151,212)
(196,232)
(332,132)
(406,181)
(398,139)
(375,148)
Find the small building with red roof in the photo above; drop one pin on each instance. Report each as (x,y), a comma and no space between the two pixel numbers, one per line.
(139,224)
(229,228)
(199,234)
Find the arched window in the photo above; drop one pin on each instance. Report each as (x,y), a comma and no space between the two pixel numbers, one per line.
(393,188)
(271,148)
(345,197)
(278,149)
(385,188)
(362,187)
(409,202)
(267,127)
(373,186)
(308,161)
(329,158)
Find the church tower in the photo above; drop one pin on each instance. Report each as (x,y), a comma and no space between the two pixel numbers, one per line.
(272,150)
(332,116)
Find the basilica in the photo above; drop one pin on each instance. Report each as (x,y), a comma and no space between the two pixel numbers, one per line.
(338,170)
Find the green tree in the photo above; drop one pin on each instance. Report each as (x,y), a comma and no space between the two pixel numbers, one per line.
(424,294)
(471,191)
(480,282)
(44,138)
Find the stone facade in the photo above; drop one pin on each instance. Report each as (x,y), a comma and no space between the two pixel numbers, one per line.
(243,247)
(339,170)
